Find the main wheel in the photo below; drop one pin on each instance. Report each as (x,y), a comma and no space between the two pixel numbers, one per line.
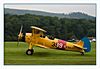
(29,51)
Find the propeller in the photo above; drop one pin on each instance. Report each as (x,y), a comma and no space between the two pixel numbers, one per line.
(20,35)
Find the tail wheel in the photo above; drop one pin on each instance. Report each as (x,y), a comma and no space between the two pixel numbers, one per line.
(82,53)
(29,51)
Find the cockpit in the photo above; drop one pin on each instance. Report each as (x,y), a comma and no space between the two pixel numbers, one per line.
(38,32)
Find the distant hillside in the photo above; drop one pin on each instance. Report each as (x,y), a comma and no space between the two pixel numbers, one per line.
(75,15)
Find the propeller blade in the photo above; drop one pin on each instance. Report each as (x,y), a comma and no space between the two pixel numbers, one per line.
(21,29)
(19,34)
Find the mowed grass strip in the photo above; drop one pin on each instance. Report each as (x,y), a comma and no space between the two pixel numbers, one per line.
(14,54)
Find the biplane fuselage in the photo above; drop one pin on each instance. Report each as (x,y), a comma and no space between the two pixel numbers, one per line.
(46,42)
(37,38)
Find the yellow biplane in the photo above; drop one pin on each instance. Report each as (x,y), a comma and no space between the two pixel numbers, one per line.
(37,38)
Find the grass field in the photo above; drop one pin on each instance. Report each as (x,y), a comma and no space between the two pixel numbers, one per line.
(14,54)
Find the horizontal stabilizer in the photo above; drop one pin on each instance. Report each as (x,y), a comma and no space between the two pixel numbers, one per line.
(78,46)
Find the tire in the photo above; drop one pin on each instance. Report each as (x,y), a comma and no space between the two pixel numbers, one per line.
(29,51)
(82,53)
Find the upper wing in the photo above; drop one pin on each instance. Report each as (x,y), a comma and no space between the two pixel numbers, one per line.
(37,28)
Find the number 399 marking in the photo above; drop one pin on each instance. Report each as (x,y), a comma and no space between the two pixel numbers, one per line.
(58,45)
(61,46)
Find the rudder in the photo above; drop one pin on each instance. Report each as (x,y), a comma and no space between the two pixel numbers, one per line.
(87,45)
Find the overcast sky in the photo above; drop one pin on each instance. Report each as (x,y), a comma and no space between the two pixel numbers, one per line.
(89,9)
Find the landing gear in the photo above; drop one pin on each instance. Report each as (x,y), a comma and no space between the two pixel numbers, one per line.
(82,53)
(29,51)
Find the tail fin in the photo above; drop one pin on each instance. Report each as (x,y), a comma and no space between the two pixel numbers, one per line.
(81,43)
(87,45)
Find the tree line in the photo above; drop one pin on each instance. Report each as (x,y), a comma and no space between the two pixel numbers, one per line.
(62,28)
